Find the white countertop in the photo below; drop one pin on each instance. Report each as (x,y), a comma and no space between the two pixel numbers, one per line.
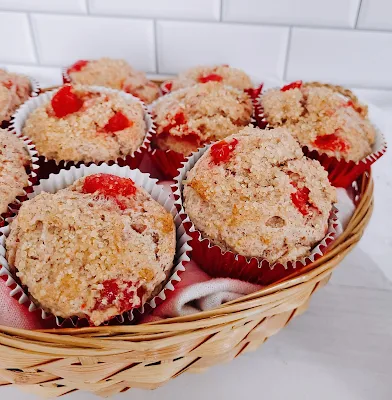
(341,348)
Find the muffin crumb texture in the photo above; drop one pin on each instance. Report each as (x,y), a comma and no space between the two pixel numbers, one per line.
(95,250)
(321,119)
(14,163)
(15,89)
(80,124)
(189,118)
(223,74)
(255,194)
(117,74)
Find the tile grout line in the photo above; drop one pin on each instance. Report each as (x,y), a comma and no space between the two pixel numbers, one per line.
(220,10)
(358,12)
(87,6)
(287,53)
(32,37)
(156,47)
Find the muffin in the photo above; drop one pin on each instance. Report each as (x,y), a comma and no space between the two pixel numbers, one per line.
(14,90)
(81,123)
(116,74)
(223,74)
(321,119)
(189,118)
(256,195)
(95,249)
(15,163)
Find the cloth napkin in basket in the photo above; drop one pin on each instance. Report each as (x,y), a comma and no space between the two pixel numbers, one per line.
(196,292)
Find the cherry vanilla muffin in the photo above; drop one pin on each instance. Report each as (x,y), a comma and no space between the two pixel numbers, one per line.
(256,194)
(189,118)
(224,74)
(80,124)
(95,250)
(322,119)
(116,74)
(15,162)
(15,89)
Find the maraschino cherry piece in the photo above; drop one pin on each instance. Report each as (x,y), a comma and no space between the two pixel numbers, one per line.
(221,151)
(66,102)
(292,85)
(78,66)
(331,142)
(118,122)
(210,78)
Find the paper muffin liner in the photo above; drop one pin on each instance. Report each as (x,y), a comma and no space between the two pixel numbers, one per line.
(166,163)
(64,179)
(52,166)
(32,180)
(222,263)
(341,173)
(35,91)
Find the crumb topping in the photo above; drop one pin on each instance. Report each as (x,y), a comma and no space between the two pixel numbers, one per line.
(266,200)
(117,74)
(14,164)
(321,119)
(81,254)
(189,118)
(83,125)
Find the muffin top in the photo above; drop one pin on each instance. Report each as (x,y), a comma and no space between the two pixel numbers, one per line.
(82,124)
(14,90)
(321,119)
(14,163)
(95,249)
(255,194)
(117,74)
(223,74)
(188,118)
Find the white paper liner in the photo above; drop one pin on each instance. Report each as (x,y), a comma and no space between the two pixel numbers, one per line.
(316,251)
(65,178)
(32,179)
(20,116)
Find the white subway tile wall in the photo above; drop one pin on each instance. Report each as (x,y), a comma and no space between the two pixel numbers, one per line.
(343,41)
(332,13)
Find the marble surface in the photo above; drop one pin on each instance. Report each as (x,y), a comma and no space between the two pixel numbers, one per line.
(339,349)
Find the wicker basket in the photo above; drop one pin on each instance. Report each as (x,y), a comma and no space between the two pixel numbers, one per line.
(111,359)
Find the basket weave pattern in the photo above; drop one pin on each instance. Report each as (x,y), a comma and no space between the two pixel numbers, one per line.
(111,359)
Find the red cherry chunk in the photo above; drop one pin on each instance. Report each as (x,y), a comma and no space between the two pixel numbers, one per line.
(65,102)
(300,199)
(168,86)
(112,295)
(331,142)
(110,186)
(210,78)
(292,85)
(7,84)
(221,151)
(78,66)
(118,122)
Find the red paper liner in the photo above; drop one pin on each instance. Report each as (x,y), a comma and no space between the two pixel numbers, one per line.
(35,91)
(64,179)
(48,167)
(33,175)
(341,173)
(226,264)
